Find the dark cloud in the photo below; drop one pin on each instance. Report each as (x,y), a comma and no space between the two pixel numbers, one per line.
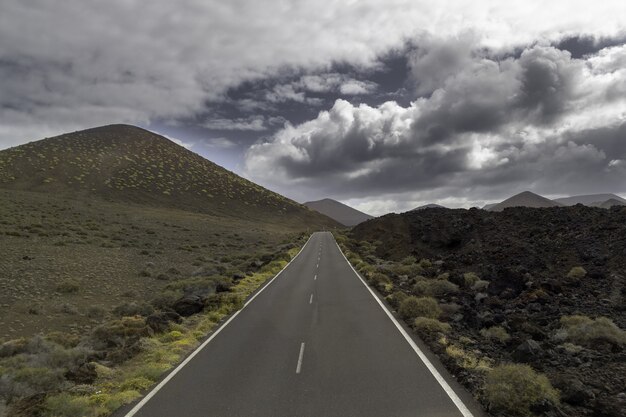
(581,45)
(508,125)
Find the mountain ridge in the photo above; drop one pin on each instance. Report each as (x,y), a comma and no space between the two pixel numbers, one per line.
(525,199)
(338,211)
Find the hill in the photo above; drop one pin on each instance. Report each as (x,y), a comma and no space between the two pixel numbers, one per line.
(426,206)
(489,206)
(340,212)
(610,203)
(588,200)
(122,163)
(525,199)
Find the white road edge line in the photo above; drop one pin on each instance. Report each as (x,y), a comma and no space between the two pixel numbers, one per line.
(315,277)
(447,388)
(311,299)
(299,366)
(171,375)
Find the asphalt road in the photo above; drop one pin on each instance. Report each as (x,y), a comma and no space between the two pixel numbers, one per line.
(314,342)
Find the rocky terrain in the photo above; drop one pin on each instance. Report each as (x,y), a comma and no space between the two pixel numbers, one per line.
(545,287)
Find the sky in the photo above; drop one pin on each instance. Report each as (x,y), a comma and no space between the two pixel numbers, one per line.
(384,105)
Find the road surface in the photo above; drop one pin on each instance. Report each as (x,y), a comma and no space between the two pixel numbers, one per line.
(314,342)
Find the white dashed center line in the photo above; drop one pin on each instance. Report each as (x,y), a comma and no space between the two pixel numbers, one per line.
(299,366)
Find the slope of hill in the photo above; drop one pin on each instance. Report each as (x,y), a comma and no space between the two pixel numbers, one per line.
(525,199)
(123,163)
(610,203)
(524,285)
(340,212)
(425,206)
(489,206)
(588,200)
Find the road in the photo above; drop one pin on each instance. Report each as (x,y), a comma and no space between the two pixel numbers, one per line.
(314,342)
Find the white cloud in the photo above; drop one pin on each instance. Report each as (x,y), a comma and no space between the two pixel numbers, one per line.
(539,121)
(253,123)
(221,143)
(99,63)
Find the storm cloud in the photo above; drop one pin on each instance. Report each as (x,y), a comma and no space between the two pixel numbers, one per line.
(541,120)
(385,103)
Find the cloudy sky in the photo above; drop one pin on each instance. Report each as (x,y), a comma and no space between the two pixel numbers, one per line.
(384,105)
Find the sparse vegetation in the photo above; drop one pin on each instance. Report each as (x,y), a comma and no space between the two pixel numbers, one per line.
(68,286)
(470,278)
(514,388)
(577,273)
(413,307)
(589,332)
(428,326)
(497,333)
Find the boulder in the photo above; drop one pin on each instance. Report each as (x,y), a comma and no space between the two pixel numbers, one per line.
(160,321)
(188,305)
(83,374)
(527,351)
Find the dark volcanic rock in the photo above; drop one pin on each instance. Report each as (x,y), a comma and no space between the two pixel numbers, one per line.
(84,374)
(527,351)
(188,305)
(160,321)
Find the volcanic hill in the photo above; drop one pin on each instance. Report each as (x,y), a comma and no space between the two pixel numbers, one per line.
(122,163)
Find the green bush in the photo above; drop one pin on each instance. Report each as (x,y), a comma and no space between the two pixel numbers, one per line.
(514,388)
(435,287)
(425,263)
(66,405)
(576,273)
(396,298)
(381,282)
(430,326)
(68,286)
(480,285)
(413,307)
(496,333)
(469,279)
(409,260)
(442,287)
(587,332)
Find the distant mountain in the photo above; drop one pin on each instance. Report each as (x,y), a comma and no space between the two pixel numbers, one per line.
(431,205)
(525,199)
(125,163)
(610,203)
(489,206)
(589,199)
(340,212)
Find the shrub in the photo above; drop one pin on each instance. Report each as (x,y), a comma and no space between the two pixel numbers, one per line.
(430,326)
(66,405)
(576,273)
(133,309)
(587,332)
(425,263)
(468,360)
(121,332)
(413,307)
(496,333)
(381,282)
(436,288)
(470,278)
(480,285)
(442,287)
(396,298)
(409,260)
(68,286)
(514,388)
